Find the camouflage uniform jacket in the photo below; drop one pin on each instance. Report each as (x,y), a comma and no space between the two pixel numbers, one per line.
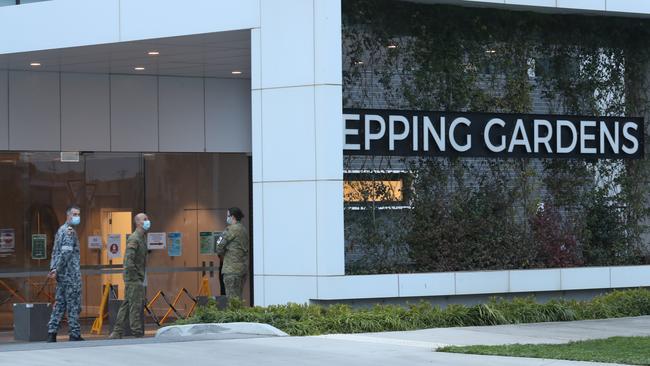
(135,258)
(233,246)
(66,255)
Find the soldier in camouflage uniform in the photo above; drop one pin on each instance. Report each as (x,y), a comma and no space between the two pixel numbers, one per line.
(134,277)
(233,247)
(66,268)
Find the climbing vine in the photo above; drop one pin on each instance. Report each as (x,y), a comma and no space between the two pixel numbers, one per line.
(467,214)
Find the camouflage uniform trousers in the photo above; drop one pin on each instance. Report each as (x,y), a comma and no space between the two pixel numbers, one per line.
(131,307)
(234,284)
(68,297)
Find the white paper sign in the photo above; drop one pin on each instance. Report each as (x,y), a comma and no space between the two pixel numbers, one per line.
(156,241)
(95,242)
(113,245)
(7,241)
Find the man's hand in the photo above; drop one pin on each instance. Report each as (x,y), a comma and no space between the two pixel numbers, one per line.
(52,274)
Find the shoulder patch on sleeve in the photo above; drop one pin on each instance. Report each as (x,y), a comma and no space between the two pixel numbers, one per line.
(132,245)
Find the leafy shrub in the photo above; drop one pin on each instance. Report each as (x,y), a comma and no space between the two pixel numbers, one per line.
(301,320)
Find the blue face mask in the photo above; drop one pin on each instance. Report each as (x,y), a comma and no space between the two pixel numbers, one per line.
(146,224)
(76,220)
(229,220)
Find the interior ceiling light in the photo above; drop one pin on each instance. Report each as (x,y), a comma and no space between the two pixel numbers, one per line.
(138,68)
(236,72)
(34,64)
(491,51)
(153,53)
(392,46)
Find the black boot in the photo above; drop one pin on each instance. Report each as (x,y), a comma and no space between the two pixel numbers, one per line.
(74,338)
(51,337)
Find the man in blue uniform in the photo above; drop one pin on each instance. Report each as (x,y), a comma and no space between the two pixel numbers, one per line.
(65,267)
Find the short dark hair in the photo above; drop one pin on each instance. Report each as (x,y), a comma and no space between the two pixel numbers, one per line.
(70,208)
(236,213)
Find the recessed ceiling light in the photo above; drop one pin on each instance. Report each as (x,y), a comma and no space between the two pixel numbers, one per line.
(358,62)
(35,64)
(236,72)
(491,51)
(392,46)
(153,53)
(138,68)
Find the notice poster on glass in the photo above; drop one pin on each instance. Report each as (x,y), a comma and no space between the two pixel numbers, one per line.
(206,242)
(95,242)
(113,243)
(175,248)
(156,241)
(217,239)
(7,241)
(39,246)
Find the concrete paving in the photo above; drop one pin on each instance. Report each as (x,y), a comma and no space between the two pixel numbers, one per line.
(536,333)
(390,348)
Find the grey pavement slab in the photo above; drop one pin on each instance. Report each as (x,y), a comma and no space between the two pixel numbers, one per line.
(536,333)
(389,348)
(306,351)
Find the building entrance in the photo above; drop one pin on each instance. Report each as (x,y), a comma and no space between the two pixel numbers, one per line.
(186,196)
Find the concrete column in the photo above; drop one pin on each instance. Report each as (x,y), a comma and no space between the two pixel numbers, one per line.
(297,148)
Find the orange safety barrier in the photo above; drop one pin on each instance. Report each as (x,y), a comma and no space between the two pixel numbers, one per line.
(161,294)
(11,291)
(103,313)
(204,290)
(172,307)
(41,289)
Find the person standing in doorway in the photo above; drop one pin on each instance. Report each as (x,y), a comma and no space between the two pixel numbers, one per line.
(65,267)
(232,245)
(134,277)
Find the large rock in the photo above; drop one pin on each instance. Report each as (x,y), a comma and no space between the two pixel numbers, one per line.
(219,329)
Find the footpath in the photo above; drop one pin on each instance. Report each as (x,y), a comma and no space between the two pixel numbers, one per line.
(388,348)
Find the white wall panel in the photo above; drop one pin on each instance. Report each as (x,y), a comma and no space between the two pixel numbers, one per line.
(85,112)
(288,43)
(481,282)
(630,276)
(629,6)
(258,290)
(58,24)
(599,5)
(288,151)
(256,59)
(544,3)
(427,284)
(535,280)
(4,110)
(143,19)
(228,115)
(258,228)
(134,113)
(34,111)
(289,214)
(327,36)
(585,278)
(284,289)
(329,132)
(181,114)
(358,287)
(330,251)
(256,134)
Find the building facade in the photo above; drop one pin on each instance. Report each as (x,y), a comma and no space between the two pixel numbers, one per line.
(183,109)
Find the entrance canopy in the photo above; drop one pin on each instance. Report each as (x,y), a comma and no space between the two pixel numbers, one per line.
(214,55)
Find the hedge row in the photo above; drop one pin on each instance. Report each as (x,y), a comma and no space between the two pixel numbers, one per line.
(300,320)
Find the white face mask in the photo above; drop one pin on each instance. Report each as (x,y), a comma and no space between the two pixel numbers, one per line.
(229,220)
